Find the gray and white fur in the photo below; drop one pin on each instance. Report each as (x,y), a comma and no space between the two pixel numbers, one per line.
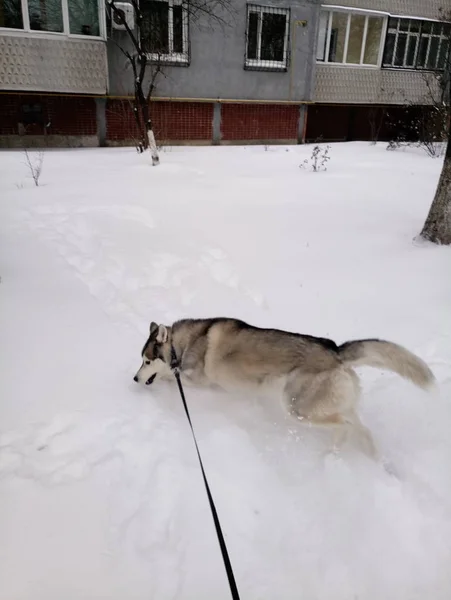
(315,376)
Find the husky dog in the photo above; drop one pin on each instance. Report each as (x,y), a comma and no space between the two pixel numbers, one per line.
(316,377)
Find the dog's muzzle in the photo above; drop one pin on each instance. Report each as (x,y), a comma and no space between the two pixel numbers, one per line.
(148,382)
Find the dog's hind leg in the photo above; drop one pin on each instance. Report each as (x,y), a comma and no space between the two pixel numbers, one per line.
(343,429)
(351,425)
(329,399)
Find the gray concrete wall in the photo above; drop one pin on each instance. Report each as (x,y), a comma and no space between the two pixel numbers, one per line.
(217,69)
(52,64)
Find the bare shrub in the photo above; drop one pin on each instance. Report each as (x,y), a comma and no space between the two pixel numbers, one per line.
(35,165)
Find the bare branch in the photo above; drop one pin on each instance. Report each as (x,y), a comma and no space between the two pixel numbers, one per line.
(35,167)
(211,9)
(146,66)
(155,74)
(126,53)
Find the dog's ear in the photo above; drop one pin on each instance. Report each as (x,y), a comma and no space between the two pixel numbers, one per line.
(162,335)
(153,327)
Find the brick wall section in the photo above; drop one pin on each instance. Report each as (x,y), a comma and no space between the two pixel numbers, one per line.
(173,121)
(183,121)
(259,122)
(120,122)
(68,115)
(177,121)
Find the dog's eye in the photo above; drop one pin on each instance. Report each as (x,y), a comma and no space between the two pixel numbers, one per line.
(147,362)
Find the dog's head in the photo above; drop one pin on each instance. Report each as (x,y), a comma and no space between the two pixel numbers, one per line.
(155,355)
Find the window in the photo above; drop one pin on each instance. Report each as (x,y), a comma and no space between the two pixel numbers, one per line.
(47,16)
(267,38)
(83,17)
(415,44)
(11,14)
(349,38)
(31,114)
(164,30)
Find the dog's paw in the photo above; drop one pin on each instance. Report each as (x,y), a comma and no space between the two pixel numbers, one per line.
(332,453)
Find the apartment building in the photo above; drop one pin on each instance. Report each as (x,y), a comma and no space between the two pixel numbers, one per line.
(274,71)
(374,58)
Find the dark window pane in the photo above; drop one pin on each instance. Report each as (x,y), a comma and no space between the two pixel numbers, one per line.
(392,23)
(436,28)
(403,24)
(177,28)
(426,27)
(389,49)
(155,26)
(415,25)
(31,114)
(433,53)
(84,17)
(400,49)
(252,33)
(273,35)
(424,41)
(45,15)
(443,52)
(11,14)
(411,50)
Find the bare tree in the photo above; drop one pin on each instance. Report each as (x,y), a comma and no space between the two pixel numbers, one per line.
(431,122)
(147,50)
(437,227)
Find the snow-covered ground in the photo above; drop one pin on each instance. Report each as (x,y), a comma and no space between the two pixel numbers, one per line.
(101,496)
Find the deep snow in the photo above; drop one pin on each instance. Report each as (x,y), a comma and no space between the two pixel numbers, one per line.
(100,490)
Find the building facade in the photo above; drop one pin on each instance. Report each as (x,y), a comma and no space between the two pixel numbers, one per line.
(265,71)
(53,66)
(375,61)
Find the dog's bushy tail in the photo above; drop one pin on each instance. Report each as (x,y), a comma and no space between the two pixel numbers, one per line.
(386,355)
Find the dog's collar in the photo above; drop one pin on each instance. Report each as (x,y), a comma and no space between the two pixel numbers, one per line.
(175,364)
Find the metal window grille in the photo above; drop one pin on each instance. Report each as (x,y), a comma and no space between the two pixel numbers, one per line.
(164,31)
(416,44)
(351,38)
(267,38)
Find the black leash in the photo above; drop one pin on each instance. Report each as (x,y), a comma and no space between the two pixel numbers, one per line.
(225,556)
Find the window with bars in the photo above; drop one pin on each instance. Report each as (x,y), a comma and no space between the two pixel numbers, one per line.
(349,38)
(267,34)
(164,30)
(415,44)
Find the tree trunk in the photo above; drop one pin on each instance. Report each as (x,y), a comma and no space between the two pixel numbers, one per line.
(141,146)
(153,148)
(150,137)
(437,228)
